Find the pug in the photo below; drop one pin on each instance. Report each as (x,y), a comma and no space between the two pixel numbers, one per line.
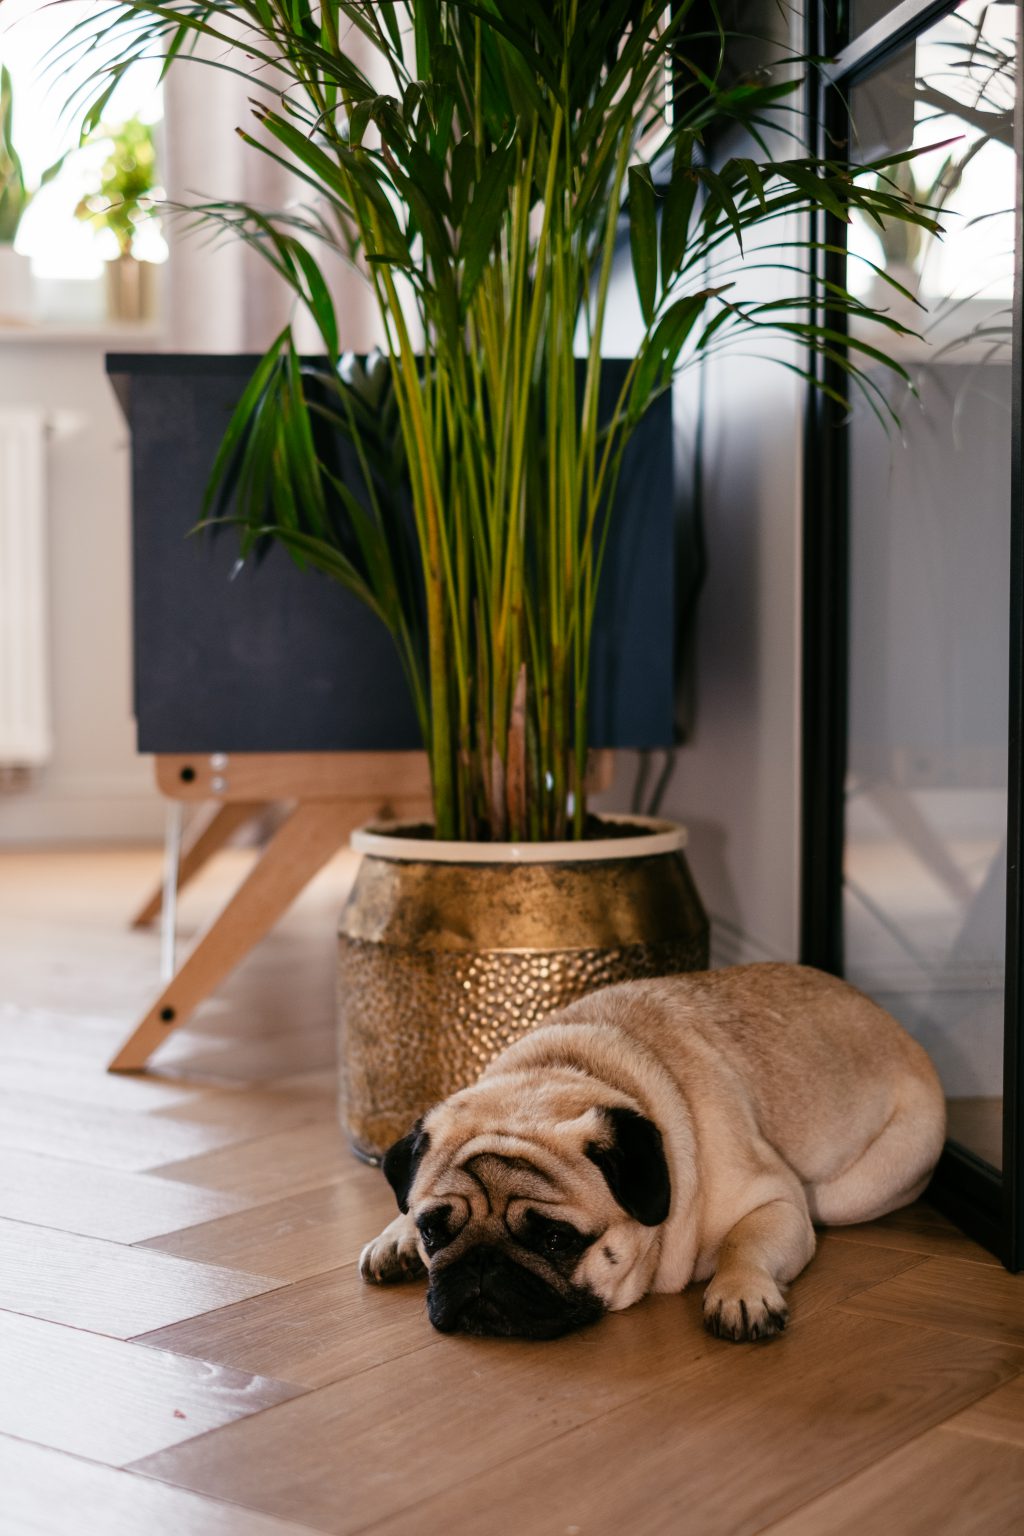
(692,1128)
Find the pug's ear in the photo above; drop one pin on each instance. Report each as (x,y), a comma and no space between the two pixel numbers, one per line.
(401,1161)
(632,1160)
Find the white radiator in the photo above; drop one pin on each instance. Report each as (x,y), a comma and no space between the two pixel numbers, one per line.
(25,732)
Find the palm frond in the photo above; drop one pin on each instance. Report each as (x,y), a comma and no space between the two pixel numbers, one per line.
(479,173)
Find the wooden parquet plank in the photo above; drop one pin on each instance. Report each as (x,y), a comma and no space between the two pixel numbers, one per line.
(113,1402)
(55,1078)
(408,1426)
(311,1010)
(919,1229)
(249,1112)
(260,1060)
(49,1038)
(108,1288)
(727,1447)
(93,966)
(36,1042)
(1000,1416)
(48,1493)
(972,1299)
(293,1238)
(322,1080)
(838,1271)
(88,896)
(103,1137)
(541,1437)
(324,1329)
(927,1487)
(103,1202)
(284,1164)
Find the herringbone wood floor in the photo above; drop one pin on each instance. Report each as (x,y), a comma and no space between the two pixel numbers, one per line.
(185,1345)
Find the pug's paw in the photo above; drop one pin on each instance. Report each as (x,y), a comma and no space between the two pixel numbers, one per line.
(393,1256)
(749,1308)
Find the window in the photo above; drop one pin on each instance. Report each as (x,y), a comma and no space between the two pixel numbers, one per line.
(68,252)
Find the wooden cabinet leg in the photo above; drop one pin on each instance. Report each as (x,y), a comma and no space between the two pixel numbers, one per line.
(313,832)
(213,833)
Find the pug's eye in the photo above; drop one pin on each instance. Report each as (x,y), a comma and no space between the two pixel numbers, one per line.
(557,1241)
(555,1238)
(433,1228)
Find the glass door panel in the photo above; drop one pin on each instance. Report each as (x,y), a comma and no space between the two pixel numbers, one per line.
(926,794)
(865,13)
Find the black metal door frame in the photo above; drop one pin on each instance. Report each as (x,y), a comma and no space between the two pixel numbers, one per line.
(985,1203)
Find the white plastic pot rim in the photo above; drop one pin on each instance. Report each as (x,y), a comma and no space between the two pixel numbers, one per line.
(385,840)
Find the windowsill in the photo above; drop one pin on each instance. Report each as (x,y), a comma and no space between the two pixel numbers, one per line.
(108,334)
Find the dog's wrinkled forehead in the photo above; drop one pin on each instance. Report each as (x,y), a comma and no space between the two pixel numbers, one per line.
(502,1178)
(506,1141)
(514,1158)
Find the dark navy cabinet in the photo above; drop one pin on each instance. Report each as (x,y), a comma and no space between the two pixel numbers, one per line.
(270,658)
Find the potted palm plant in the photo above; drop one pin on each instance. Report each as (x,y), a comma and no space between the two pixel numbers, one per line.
(476,159)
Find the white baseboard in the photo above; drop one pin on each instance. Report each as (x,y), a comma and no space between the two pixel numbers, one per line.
(109,809)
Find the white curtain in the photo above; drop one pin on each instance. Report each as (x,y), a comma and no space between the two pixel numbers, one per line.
(221,296)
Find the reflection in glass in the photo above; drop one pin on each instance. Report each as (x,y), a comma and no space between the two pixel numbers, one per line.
(865,13)
(925,858)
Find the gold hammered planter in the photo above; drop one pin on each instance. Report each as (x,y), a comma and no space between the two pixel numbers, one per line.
(450,951)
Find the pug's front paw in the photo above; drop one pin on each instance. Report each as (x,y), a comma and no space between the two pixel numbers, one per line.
(393,1256)
(751,1308)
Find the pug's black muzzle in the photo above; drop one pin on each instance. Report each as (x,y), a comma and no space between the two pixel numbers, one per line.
(485,1292)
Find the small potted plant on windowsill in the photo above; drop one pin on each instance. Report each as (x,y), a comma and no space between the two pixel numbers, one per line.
(477,174)
(123,200)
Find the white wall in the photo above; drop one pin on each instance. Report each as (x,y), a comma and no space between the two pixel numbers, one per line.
(736,783)
(96,788)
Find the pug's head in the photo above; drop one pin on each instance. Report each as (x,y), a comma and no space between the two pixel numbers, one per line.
(536,1209)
